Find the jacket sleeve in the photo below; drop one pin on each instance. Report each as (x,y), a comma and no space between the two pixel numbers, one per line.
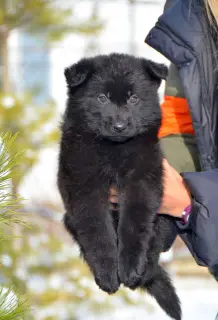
(168,4)
(200,234)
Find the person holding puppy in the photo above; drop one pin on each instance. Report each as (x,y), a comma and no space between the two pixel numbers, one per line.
(187,35)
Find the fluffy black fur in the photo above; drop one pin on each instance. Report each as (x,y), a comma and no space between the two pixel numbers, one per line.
(109,135)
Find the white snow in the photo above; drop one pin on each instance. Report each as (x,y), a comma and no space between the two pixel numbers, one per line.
(199,300)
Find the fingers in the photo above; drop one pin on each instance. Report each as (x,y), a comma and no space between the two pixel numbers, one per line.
(113,190)
(169,171)
(113,198)
(113,194)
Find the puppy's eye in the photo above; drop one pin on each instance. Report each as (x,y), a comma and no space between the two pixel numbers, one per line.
(133,98)
(102,98)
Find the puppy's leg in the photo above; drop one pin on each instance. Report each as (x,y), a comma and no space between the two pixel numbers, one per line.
(155,280)
(89,221)
(169,231)
(137,213)
(164,234)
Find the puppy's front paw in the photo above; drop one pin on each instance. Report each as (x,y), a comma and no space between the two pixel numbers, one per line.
(108,280)
(131,270)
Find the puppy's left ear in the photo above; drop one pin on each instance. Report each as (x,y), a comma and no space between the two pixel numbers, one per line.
(78,72)
(157,71)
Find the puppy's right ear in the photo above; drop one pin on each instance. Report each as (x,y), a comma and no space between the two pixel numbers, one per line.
(157,71)
(78,72)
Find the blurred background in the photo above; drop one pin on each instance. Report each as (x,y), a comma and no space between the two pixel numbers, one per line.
(38,39)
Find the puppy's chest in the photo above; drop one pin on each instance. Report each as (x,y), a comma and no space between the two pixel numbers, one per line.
(129,167)
(117,164)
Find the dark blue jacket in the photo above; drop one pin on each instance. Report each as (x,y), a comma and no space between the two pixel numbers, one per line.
(182,34)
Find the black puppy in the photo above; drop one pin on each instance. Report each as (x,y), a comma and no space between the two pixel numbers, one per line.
(109,136)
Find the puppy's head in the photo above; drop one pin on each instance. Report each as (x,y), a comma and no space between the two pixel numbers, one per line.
(116,96)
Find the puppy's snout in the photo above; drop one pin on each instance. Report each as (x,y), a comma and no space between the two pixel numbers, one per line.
(120,126)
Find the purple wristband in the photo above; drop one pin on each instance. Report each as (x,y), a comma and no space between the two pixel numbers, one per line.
(186,214)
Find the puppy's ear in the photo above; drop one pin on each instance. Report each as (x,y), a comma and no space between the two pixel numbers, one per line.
(78,72)
(157,71)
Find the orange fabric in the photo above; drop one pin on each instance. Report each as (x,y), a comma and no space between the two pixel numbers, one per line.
(176,117)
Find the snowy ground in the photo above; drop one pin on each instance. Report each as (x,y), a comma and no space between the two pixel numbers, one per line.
(199,299)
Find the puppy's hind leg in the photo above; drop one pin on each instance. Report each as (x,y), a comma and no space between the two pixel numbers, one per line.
(155,280)
(164,234)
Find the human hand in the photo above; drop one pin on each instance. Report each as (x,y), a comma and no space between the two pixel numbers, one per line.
(176,196)
(113,198)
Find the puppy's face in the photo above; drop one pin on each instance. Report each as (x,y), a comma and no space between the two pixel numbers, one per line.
(116,95)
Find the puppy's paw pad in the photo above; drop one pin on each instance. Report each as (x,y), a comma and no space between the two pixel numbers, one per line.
(108,282)
(131,270)
(130,278)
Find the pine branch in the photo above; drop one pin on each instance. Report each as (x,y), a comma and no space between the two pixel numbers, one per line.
(12,306)
(9,204)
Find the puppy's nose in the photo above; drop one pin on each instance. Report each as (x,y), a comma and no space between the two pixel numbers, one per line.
(119,126)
